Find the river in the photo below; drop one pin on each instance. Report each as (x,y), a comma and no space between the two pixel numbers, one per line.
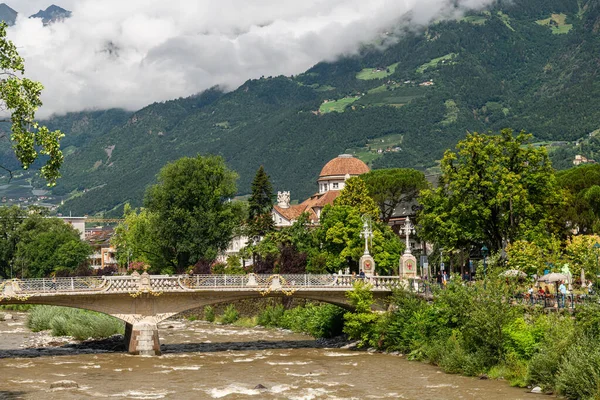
(205,361)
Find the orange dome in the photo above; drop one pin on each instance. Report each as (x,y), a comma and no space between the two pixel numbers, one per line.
(342,165)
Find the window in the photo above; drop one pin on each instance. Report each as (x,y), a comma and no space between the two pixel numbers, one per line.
(335,185)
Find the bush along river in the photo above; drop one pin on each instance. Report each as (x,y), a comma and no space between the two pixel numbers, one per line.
(209,361)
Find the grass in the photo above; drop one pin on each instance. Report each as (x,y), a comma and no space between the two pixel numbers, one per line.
(369,153)
(557,23)
(246,322)
(475,19)
(451,115)
(506,20)
(447,60)
(397,97)
(80,324)
(376,73)
(324,88)
(337,105)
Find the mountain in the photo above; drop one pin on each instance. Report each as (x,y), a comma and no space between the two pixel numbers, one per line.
(7,14)
(52,14)
(528,65)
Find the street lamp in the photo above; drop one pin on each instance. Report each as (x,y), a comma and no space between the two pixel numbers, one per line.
(484,252)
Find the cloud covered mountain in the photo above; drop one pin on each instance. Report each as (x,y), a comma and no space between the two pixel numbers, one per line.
(7,14)
(114,53)
(52,14)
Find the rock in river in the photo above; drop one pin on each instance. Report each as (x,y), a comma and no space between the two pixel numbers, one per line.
(64,385)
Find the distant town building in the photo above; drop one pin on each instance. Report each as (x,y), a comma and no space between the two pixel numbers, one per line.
(579,159)
(77,223)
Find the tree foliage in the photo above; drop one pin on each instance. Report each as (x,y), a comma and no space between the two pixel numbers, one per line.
(391,187)
(342,245)
(582,195)
(136,238)
(49,245)
(356,194)
(195,216)
(260,205)
(20,96)
(494,189)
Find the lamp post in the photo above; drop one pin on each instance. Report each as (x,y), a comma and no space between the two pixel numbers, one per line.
(484,252)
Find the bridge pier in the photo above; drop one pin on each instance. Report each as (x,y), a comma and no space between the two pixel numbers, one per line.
(141,338)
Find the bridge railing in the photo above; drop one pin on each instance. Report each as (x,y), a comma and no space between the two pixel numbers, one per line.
(137,283)
(212,281)
(49,285)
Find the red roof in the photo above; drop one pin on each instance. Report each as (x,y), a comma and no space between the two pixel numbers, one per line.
(342,165)
(310,205)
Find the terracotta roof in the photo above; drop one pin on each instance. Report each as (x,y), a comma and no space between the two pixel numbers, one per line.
(317,200)
(344,164)
(326,198)
(292,212)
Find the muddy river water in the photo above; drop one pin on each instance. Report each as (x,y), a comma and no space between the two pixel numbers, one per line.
(204,361)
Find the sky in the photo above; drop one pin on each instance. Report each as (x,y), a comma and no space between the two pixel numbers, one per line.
(131,53)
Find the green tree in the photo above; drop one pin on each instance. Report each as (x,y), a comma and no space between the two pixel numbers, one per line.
(355,194)
(11,219)
(260,205)
(195,217)
(582,205)
(493,189)
(339,236)
(136,238)
(391,187)
(21,97)
(47,245)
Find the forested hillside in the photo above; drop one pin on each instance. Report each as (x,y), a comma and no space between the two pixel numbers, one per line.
(529,65)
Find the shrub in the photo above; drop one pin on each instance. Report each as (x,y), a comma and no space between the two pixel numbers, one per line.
(361,324)
(513,369)
(271,316)
(324,321)
(543,366)
(317,320)
(209,314)
(579,372)
(230,315)
(455,358)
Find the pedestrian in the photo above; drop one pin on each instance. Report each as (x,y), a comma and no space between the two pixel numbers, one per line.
(530,293)
(438,278)
(361,274)
(562,293)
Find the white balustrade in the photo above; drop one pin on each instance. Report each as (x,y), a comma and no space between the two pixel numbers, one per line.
(183,283)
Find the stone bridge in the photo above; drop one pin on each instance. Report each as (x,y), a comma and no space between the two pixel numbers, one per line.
(142,301)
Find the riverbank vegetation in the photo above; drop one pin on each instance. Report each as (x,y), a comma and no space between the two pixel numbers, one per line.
(80,324)
(471,330)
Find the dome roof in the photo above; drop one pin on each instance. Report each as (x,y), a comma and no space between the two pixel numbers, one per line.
(344,164)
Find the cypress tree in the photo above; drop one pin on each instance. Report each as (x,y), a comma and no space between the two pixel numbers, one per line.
(260,205)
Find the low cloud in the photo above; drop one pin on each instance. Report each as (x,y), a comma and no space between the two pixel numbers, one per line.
(115,53)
